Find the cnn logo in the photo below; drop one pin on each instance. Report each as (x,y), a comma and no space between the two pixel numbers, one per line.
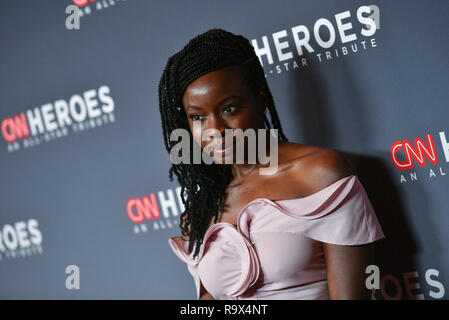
(81,3)
(418,151)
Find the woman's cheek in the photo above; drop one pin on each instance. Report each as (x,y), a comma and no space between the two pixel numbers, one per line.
(196,133)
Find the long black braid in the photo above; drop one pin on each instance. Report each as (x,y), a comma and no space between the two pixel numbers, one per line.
(205,185)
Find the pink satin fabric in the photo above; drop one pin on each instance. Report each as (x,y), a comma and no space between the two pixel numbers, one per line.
(275,252)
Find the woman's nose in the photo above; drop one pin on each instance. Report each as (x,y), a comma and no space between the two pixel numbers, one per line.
(219,124)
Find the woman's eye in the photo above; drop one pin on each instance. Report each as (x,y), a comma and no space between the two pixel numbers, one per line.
(230,107)
(195,117)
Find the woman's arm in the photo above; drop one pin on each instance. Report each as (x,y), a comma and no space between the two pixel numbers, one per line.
(204,295)
(345,267)
(345,264)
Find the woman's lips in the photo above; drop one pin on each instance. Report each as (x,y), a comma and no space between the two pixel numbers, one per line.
(221,150)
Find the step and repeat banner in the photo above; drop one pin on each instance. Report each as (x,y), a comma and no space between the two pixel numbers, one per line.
(86,203)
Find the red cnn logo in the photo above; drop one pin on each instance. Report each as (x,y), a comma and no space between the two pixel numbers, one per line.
(146,208)
(16,127)
(81,3)
(416,152)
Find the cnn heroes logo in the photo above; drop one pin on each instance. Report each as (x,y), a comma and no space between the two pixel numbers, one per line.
(288,44)
(405,154)
(156,211)
(222,150)
(93,108)
(20,239)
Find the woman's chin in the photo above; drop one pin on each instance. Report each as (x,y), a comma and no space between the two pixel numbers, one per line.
(224,159)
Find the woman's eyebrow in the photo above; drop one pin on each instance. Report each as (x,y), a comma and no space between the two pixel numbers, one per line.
(193,107)
(219,103)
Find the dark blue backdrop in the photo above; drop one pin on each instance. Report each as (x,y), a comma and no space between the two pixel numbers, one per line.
(82,162)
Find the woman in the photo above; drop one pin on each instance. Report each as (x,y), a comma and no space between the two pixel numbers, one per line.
(304,232)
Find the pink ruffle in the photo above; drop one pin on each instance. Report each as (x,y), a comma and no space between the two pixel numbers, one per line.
(243,249)
(341,214)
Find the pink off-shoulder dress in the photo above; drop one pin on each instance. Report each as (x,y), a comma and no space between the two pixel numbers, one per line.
(275,251)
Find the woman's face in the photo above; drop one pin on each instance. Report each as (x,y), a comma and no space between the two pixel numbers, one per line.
(221,100)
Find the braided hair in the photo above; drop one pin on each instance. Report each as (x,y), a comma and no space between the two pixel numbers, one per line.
(205,184)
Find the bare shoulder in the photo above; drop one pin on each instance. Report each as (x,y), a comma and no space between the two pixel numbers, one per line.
(313,168)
